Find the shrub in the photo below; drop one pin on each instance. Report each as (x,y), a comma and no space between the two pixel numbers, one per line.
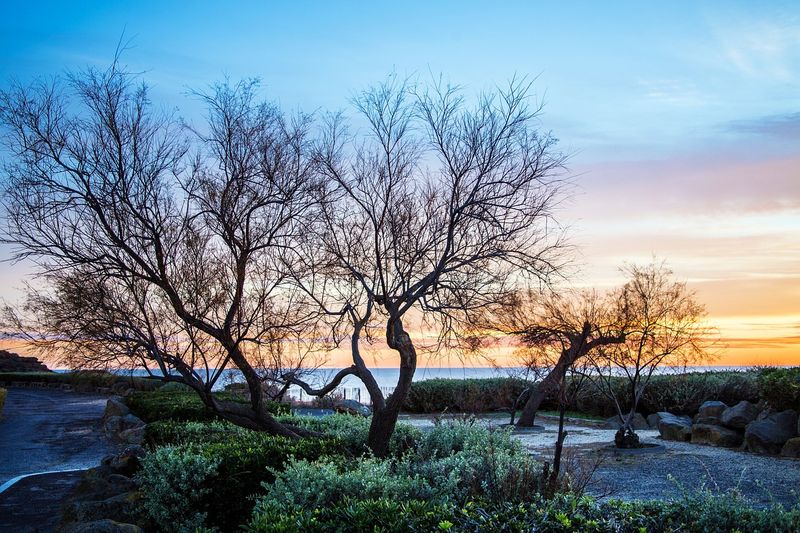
(452,463)
(83,380)
(463,395)
(176,483)
(184,406)
(695,514)
(3,393)
(780,387)
(352,431)
(242,460)
(172,432)
(385,515)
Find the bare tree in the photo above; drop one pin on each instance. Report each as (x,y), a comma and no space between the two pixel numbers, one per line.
(167,248)
(558,331)
(664,326)
(431,215)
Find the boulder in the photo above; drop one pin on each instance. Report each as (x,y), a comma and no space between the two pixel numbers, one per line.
(639,422)
(132,435)
(767,435)
(716,435)
(123,507)
(115,406)
(791,448)
(652,419)
(710,412)
(738,416)
(125,463)
(102,526)
(673,427)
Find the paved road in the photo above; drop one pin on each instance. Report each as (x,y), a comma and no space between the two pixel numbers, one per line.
(47,430)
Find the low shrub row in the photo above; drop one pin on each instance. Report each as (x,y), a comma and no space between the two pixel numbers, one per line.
(212,483)
(152,406)
(699,513)
(83,380)
(676,393)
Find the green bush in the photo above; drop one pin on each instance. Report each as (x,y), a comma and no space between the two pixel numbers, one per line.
(222,495)
(352,431)
(463,395)
(696,514)
(451,463)
(176,483)
(173,432)
(183,406)
(780,387)
(83,380)
(3,393)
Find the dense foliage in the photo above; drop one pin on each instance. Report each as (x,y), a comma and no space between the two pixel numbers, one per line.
(3,393)
(182,485)
(83,381)
(700,513)
(676,393)
(780,387)
(184,406)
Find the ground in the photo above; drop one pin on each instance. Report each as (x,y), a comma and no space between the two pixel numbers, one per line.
(43,431)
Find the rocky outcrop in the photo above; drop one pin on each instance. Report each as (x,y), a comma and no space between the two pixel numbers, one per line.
(11,362)
(710,413)
(738,416)
(107,498)
(791,448)
(716,435)
(120,424)
(770,432)
(674,427)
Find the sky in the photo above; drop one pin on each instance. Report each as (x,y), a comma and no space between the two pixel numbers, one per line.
(682,119)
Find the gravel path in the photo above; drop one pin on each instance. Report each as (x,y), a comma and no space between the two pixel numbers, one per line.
(49,430)
(681,467)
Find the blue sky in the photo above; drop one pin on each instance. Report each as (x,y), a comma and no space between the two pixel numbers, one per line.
(683,118)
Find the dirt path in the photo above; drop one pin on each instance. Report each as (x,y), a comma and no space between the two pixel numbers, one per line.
(48,430)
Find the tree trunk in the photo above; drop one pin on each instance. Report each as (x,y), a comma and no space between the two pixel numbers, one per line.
(547,386)
(553,482)
(384,419)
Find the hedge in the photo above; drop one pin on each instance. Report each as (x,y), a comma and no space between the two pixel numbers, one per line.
(693,514)
(676,393)
(84,380)
(183,406)
(233,470)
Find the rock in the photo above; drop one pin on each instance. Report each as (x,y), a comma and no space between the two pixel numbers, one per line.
(639,422)
(673,427)
(124,507)
(710,412)
(125,463)
(115,406)
(652,420)
(770,433)
(132,435)
(103,526)
(791,448)
(11,362)
(716,435)
(738,416)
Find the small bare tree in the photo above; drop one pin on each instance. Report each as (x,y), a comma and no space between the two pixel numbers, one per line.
(431,216)
(557,331)
(160,247)
(664,326)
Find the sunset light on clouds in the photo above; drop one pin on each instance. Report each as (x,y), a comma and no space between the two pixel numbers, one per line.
(682,122)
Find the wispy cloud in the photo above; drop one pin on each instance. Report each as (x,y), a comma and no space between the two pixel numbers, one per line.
(674,92)
(761,48)
(784,126)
